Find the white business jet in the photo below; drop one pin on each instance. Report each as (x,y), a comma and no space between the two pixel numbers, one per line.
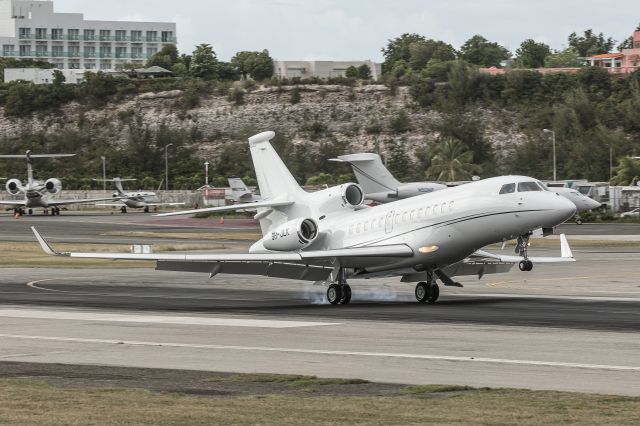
(378,183)
(135,200)
(330,236)
(38,193)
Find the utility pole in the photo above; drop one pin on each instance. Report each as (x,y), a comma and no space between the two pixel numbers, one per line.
(166,166)
(553,139)
(104,173)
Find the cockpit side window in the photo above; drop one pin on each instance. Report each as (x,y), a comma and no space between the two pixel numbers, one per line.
(543,186)
(508,188)
(528,187)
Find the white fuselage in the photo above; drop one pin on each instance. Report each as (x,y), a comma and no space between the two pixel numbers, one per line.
(442,228)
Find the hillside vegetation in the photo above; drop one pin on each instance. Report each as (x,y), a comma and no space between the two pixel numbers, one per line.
(432,103)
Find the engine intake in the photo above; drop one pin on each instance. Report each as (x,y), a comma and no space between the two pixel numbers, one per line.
(346,196)
(53,186)
(14,186)
(293,235)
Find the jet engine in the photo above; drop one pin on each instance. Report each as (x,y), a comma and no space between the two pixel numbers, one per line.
(349,195)
(14,186)
(53,186)
(291,236)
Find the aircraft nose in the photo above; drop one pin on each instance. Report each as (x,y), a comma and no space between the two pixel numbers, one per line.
(565,208)
(593,204)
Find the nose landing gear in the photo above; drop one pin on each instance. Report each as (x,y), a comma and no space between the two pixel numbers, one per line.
(525,264)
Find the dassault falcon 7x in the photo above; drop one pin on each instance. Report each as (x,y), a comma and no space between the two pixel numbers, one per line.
(331,236)
(135,200)
(37,193)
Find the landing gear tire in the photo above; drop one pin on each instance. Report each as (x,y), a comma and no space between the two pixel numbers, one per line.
(346,294)
(578,221)
(334,294)
(427,292)
(123,209)
(30,211)
(146,209)
(55,211)
(525,265)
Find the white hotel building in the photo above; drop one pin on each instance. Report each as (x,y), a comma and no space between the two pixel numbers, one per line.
(32,30)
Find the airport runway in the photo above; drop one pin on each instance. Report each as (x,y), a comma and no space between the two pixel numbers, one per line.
(564,327)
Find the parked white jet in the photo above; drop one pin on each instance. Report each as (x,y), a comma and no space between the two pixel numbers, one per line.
(240,192)
(330,236)
(582,202)
(37,193)
(378,183)
(134,200)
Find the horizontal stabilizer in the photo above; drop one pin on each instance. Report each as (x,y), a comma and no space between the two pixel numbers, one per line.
(243,206)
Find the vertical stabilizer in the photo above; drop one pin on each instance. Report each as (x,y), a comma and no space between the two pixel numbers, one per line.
(239,190)
(274,178)
(371,174)
(118,183)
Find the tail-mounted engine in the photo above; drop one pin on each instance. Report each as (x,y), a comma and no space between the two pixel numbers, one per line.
(14,186)
(53,186)
(346,196)
(293,235)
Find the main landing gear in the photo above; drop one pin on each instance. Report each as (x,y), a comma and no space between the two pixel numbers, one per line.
(522,245)
(339,292)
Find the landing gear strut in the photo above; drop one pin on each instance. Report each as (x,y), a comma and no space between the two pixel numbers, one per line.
(340,292)
(427,292)
(525,264)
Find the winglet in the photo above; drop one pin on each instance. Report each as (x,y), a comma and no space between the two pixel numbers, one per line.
(45,246)
(565,250)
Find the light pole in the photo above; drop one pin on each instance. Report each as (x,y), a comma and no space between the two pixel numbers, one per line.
(206,174)
(166,166)
(104,173)
(553,139)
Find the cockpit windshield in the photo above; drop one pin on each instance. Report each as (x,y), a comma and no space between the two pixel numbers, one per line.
(508,188)
(529,187)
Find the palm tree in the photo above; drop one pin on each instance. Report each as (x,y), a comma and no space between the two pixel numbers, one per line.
(627,171)
(453,161)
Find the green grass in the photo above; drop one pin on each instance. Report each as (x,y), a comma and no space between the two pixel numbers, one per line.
(33,403)
(290,380)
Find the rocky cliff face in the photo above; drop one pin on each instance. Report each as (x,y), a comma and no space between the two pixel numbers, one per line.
(360,116)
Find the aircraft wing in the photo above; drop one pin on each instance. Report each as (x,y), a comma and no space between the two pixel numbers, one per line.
(565,255)
(120,204)
(78,201)
(395,250)
(15,203)
(243,206)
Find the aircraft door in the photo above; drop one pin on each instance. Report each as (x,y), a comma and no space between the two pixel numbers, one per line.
(388,223)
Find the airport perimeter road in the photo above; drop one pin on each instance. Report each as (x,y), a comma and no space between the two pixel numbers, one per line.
(564,328)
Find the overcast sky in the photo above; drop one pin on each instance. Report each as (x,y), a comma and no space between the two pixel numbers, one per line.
(358,29)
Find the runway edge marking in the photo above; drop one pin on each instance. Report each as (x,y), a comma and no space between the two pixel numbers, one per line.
(329,352)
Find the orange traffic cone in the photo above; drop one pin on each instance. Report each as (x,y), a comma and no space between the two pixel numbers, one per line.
(222,220)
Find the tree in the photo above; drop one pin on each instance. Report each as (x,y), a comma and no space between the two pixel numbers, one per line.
(204,63)
(627,171)
(364,72)
(421,52)
(453,162)
(257,65)
(566,58)
(58,78)
(590,43)
(480,51)
(532,54)
(398,49)
(166,58)
(351,72)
